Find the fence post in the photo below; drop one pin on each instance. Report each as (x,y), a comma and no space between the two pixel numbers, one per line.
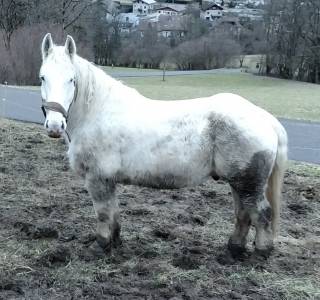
(3,100)
(163,72)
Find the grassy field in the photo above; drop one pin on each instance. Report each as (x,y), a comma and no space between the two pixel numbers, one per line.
(108,69)
(283,98)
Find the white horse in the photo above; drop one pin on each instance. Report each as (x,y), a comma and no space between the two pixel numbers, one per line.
(119,136)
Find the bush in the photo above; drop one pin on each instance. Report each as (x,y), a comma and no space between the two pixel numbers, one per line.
(21,64)
(207,52)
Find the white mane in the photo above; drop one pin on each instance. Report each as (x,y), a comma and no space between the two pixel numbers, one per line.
(96,87)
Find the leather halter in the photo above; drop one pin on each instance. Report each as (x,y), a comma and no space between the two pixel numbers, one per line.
(54,106)
(57,107)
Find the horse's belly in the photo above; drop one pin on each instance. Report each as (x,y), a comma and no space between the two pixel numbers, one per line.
(165,180)
(167,171)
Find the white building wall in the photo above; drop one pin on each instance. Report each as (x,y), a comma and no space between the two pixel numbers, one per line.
(167,12)
(140,7)
(211,14)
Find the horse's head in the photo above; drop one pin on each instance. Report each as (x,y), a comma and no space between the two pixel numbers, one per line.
(58,83)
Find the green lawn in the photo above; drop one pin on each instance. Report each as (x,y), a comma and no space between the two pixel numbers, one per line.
(109,69)
(283,98)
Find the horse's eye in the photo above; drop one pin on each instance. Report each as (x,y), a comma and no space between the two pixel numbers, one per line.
(42,78)
(71,80)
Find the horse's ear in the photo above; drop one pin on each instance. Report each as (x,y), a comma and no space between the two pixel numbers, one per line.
(70,46)
(47,45)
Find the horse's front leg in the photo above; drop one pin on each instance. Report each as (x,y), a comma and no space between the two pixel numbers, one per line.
(106,208)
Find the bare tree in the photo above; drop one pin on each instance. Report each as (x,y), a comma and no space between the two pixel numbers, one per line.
(12,16)
(311,37)
(207,52)
(293,39)
(67,12)
(21,65)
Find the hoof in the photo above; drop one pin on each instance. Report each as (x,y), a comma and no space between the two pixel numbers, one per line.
(236,250)
(97,250)
(105,244)
(93,252)
(112,240)
(264,253)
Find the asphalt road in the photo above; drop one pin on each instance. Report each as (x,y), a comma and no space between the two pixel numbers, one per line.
(24,105)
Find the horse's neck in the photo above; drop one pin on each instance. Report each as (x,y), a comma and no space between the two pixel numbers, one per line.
(98,94)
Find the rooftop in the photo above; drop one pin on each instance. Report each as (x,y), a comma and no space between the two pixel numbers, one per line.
(145,1)
(175,7)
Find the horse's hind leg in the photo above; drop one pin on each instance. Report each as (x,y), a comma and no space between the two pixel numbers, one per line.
(252,208)
(249,186)
(261,217)
(105,205)
(238,240)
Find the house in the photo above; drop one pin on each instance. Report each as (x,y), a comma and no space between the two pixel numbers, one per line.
(171,9)
(166,26)
(123,6)
(211,12)
(151,18)
(143,7)
(128,18)
(171,26)
(127,22)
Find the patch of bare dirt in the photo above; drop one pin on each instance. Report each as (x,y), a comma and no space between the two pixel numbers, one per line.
(173,241)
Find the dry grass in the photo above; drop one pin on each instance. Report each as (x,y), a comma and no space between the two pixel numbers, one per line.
(173,241)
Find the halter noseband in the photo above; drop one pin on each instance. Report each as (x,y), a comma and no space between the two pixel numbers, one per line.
(55,106)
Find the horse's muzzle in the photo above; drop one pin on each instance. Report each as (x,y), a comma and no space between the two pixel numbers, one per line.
(55,129)
(54,134)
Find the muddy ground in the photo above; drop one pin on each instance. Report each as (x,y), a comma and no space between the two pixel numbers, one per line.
(173,241)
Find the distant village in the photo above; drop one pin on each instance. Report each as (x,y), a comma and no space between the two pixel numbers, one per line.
(168,17)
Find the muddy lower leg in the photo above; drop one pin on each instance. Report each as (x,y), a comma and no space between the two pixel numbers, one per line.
(238,240)
(250,184)
(252,208)
(105,205)
(261,218)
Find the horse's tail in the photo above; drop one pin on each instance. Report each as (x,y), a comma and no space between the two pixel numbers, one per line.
(276,178)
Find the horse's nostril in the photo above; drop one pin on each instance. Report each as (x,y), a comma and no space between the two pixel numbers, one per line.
(62,126)
(47,124)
